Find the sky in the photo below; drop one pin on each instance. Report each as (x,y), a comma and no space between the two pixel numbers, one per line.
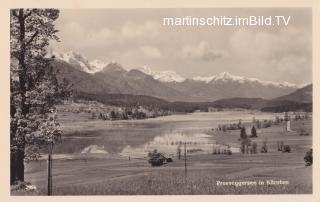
(137,37)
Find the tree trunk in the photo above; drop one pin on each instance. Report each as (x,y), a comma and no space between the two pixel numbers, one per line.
(18,157)
(20,165)
(13,172)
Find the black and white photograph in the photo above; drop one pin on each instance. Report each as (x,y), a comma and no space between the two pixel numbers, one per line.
(161,101)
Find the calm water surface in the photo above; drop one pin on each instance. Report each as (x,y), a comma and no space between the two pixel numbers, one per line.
(135,138)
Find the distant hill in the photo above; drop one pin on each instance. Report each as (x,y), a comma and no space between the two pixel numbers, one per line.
(303,95)
(299,100)
(274,105)
(245,103)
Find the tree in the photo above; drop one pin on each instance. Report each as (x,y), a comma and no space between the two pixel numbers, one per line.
(34,87)
(243,134)
(308,158)
(239,124)
(179,152)
(113,115)
(253,132)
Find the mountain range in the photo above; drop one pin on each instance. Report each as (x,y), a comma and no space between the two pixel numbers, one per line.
(299,100)
(111,78)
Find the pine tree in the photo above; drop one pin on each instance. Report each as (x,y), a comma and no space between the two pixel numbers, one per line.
(34,86)
(253,132)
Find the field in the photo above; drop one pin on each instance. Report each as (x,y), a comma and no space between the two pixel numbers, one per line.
(112,174)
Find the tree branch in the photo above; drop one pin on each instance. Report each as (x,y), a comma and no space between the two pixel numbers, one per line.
(32,37)
(27,15)
(14,13)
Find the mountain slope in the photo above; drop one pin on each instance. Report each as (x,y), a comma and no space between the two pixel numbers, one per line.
(163,76)
(79,61)
(113,78)
(303,95)
(226,85)
(137,83)
(80,81)
(300,100)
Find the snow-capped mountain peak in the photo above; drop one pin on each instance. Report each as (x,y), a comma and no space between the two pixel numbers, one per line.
(80,61)
(204,79)
(225,77)
(98,64)
(164,76)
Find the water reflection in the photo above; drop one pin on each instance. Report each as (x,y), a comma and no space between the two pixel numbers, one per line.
(166,134)
(169,144)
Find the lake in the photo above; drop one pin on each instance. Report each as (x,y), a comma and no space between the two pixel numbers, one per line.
(135,138)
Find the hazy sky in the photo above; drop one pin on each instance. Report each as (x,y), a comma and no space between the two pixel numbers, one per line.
(136,37)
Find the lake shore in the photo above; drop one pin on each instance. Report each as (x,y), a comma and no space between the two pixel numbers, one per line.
(113,175)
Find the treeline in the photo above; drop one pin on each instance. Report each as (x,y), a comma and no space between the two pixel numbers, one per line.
(127,100)
(286,106)
(134,101)
(129,114)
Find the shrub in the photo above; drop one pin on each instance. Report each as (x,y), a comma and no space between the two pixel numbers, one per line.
(224,128)
(308,158)
(253,132)
(286,148)
(243,134)
(303,133)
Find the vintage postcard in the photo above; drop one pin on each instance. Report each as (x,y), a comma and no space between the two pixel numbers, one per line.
(161,100)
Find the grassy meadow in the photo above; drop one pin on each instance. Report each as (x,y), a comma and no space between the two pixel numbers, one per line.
(118,175)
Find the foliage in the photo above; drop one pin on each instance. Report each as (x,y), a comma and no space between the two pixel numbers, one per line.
(308,158)
(34,88)
(243,134)
(286,148)
(253,132)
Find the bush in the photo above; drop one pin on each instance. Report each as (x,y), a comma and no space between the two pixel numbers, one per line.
(286,148)
(308,158)
(224,128)
(303,133)
(243,134)
(253,132)
(23,188)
